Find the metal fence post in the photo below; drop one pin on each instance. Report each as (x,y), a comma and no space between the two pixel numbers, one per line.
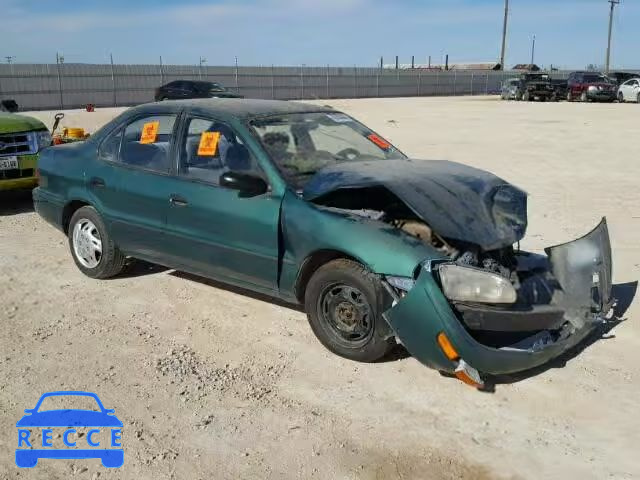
(455,81)
(355,82)
(419,81)
(273,83)
(471,83)
(161,72)
(237,87)
(302,81)
(328,90)
(486,85)
(437,82)
(113,81)
(58,64)
(378,84)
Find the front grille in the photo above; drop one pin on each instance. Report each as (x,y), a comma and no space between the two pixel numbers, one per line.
(16,173)
(17,144)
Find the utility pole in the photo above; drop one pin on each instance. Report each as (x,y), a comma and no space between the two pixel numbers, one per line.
(613,4)
(504,33)
(10,58)
(533,50)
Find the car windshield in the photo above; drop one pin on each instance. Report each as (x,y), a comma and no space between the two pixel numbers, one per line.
(537,78)
(300,144)
(69,402)
(596,79)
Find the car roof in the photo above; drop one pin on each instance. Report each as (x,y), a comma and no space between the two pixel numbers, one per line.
(242,108)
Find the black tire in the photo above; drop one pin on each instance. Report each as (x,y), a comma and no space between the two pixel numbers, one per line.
(111,261)
(620,97)
(638,98)
(584,97)
(325,300)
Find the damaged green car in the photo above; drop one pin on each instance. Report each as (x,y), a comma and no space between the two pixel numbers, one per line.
(306,204)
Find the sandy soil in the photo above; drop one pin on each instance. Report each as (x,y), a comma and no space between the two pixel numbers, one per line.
(213,384)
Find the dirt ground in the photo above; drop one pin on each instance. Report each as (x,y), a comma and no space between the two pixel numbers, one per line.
(211,383)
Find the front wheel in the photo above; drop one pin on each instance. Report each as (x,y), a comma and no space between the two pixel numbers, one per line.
(620,97)
(91,247)
(344,304)
(583,97)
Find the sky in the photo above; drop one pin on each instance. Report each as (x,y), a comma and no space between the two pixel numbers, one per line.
(569,33)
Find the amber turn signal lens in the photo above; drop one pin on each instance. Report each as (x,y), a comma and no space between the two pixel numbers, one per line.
(446,347)
(463,377)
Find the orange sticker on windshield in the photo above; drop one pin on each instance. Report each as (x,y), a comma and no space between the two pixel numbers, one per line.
(379,141)
(208,144)
(149,132)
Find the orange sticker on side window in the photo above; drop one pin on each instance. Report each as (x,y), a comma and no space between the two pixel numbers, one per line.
(208,144)
(149,132)
(379,141)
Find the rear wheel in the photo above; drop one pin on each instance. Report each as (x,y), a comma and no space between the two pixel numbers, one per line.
(91,247)
(344,304)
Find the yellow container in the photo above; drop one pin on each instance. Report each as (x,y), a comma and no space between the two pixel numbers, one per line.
(73,132)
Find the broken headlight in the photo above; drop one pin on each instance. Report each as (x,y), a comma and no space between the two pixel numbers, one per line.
(467,284)
(43,138)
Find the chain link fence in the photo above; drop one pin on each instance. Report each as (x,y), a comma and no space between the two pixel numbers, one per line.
(59,86)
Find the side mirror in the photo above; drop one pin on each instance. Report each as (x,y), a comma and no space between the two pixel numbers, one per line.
(247,184)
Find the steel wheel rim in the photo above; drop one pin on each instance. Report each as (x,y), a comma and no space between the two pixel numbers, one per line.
(87,244)
(347,312)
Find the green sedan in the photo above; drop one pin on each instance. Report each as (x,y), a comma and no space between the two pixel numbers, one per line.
(306,204)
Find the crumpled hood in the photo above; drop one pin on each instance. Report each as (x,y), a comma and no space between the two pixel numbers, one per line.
(456,201)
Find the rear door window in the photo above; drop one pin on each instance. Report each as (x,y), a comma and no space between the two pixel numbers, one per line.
(147,141)
(211,148)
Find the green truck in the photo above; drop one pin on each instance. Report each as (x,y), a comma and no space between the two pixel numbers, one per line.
(21,139)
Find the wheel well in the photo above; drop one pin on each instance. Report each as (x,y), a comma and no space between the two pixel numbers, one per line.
(69,209)
(312,263)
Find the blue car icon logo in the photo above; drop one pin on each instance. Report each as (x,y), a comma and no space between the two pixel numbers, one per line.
(105,432)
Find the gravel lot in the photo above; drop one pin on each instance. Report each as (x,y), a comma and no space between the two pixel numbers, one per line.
(211,383)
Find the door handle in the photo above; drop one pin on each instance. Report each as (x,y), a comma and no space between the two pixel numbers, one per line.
(97,182)
(178,201)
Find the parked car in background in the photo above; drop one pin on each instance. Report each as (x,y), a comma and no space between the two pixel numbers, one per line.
(629,91)
(304,203)
(560,89)
(590,86)
(620,77)
(534,86)
(185,89)
(509,89)
(21,138)
(9,105)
